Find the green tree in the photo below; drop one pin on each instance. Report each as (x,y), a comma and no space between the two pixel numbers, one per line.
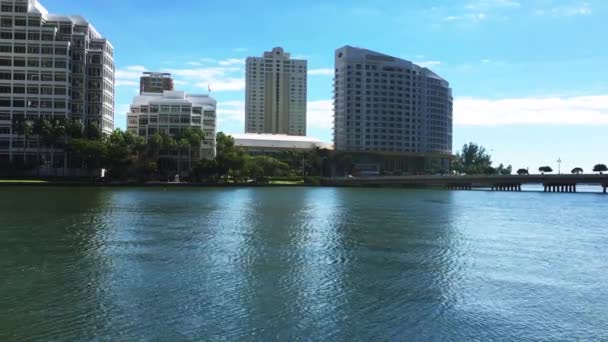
(505,171)
(523,172)
(53,131)
(472,159)
(38,130)
(24,127)
(601,168)
(544,169)
(205,170)
(577,171)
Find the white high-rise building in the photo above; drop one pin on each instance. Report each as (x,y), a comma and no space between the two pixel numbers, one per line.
(54,67)
(390,106)
(171,112)
(275,100)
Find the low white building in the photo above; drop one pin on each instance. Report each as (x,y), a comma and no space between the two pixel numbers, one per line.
(269,143)
(171,112)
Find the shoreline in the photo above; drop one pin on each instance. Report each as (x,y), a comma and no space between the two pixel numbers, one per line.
(84,184)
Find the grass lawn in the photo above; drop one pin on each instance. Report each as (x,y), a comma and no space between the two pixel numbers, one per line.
(277,182)
(21,181)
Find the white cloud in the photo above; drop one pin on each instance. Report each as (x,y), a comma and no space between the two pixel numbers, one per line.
(231,111)
(241,49)
(320,114)
(194,63)
(231,61)
(300,56)
(486,5)
(428,64)
(323,72)
(227,77)
(582,110)
(480,10)
(579,9)
(129,76)
(486,61)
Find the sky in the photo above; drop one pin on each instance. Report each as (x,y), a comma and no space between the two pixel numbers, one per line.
(529,77)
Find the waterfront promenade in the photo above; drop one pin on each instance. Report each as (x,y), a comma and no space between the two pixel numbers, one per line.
(551,183)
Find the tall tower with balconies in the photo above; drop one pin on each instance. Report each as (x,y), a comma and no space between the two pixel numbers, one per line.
(275,99)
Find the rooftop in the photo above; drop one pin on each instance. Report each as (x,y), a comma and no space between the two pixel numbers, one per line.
(280,141)
(174,97)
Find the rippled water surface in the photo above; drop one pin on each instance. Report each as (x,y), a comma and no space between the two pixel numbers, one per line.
(302,264)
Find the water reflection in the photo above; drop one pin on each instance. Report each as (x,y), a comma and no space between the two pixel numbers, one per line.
(301,263)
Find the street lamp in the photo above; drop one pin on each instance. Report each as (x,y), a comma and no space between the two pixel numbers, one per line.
(559,167)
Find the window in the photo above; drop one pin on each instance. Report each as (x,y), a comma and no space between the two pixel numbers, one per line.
(6,22)
(47,63)
(59,64)
(33,63)
(6,35)
(60,77)
(5,75)
(5,62)
(6,48)
(19,49)
(33,36)
(18,90)
(19,62)
(20,22)
(20,35)
(19,76)
(4,89)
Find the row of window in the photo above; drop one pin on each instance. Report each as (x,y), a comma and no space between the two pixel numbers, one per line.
(34,49)
(32,103)
(22,89)
(167,109)
(10,7)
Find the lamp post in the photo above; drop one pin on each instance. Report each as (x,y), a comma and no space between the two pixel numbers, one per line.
(559,166)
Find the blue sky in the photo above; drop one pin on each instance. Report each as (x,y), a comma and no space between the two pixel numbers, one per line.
(530,77)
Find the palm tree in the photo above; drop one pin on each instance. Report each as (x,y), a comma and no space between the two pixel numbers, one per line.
(577,171)
(23,126)
(195,137)
(38,130)
(54,130)
(74,129)
(182,144)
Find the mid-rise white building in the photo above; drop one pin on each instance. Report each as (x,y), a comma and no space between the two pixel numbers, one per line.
(275,100)
(54,67)
(171,112)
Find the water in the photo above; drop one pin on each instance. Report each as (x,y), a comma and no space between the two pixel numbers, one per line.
(302,264)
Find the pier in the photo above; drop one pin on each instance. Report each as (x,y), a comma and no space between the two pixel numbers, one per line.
(511,183)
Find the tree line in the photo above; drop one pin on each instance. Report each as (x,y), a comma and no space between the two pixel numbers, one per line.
(474,159)
(129,157)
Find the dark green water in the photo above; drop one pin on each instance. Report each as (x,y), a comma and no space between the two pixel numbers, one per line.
(302,264)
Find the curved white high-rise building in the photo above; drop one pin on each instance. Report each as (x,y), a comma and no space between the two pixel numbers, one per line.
(386,105)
